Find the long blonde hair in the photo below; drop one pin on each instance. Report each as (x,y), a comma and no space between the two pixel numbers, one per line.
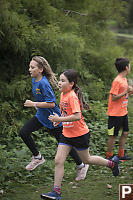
(47,71)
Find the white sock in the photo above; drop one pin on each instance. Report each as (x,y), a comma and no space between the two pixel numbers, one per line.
(80,166)
(38,157)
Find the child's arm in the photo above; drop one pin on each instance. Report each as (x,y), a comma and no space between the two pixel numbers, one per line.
(29,103)
(116,97)
(131,92)
(74,117)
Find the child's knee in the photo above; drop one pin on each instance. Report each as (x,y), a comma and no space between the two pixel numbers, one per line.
(59,161)
(22,133)
(125,134)
(86,160)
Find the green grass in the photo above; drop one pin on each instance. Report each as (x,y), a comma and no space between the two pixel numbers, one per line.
(94,187)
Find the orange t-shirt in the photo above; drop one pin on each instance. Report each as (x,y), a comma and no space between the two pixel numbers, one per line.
(118,107)
(69,104)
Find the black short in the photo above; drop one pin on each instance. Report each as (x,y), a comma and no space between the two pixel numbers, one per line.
(117,123)
(80,143)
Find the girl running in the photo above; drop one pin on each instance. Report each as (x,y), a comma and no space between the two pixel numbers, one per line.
(75,132)
(45,104)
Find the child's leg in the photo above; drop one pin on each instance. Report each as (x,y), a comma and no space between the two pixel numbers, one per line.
(57,133)
(97,160)
(110,144)
(73,153)
(122,143)
(26,131)
(81,167)
(62,153)
(122,140)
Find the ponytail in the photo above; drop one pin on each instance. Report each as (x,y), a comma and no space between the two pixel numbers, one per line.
(84,104)
(72,76)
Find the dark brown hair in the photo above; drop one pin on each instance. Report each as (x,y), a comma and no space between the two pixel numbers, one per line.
(121,64)
(72,76)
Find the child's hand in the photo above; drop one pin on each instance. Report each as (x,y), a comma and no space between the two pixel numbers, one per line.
(56,123)
(29,103)
(54,118)
(130,89)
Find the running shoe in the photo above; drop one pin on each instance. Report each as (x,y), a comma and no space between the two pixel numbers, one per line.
(125,157)
(51,195)
(34,163)
(115,169)
(81,173)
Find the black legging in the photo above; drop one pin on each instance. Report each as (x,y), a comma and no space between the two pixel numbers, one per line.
(33,125)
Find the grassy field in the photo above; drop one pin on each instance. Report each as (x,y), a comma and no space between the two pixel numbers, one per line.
(94,187)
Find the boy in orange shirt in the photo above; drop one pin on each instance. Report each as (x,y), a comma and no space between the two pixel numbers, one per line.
(117,109)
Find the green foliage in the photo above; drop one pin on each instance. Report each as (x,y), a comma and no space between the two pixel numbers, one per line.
(95,89)
(97,123)
(12,99)
(66,40)
(69,34)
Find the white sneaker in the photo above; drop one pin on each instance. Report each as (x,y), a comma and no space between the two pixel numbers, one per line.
(34,163)
(81,173)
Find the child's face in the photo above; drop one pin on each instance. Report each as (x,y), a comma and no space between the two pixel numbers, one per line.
(34,70)
(64,85)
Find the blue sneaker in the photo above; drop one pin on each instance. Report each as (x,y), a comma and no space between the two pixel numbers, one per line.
(125,157)
(115,169)
(51,195)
